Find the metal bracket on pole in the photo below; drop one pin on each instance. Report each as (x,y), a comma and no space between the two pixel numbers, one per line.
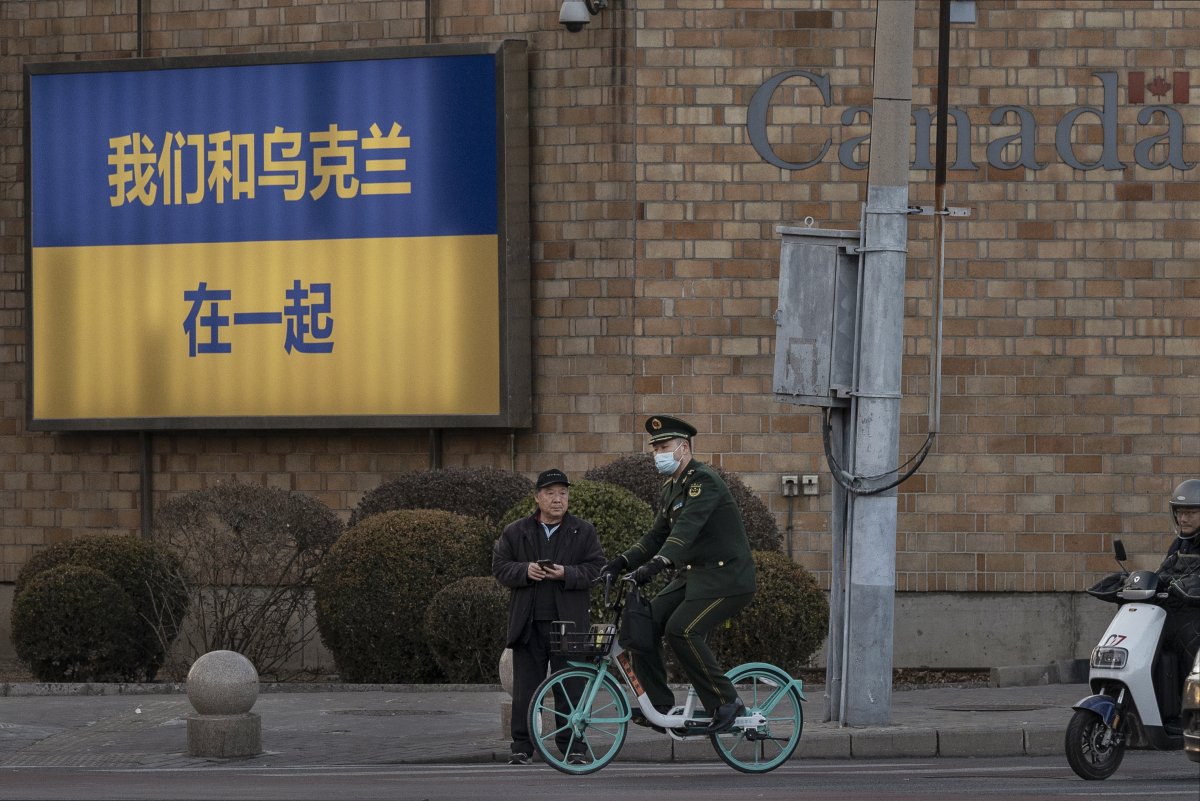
(856,249)
(929,211)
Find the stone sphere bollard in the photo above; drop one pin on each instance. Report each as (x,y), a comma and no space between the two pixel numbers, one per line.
(505,669)
(223,686)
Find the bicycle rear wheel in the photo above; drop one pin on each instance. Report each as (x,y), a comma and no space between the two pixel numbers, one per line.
(593,723)
(767,690)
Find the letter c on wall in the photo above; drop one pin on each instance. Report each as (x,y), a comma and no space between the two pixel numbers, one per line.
(756,120)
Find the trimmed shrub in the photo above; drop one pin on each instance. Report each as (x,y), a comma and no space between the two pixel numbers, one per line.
(637,474)
(785,624)
(74,623)
(466,626)
(249,555)
(147,575)
(482,492)
(374,587)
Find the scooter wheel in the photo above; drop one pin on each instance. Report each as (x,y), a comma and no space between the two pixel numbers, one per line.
(1093,751)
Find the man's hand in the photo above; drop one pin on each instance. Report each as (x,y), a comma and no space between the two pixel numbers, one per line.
(614,568)
(646,573)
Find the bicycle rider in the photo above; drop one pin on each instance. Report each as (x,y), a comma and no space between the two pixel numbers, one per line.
(698,531)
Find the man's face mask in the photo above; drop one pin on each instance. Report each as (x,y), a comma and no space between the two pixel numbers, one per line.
(666,462)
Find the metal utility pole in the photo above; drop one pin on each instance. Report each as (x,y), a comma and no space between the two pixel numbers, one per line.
(870,427)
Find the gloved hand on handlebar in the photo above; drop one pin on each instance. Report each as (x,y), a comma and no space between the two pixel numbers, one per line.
(646,573)
(614,568)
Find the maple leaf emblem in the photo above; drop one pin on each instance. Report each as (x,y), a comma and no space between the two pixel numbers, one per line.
(1158,87)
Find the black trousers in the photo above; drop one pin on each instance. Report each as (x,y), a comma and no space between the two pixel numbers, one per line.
(530,661)
(685,626)
(1181,635)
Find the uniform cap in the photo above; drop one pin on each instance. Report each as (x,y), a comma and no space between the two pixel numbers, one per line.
(661,427)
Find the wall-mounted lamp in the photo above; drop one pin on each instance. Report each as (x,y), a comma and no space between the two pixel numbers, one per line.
(574,14)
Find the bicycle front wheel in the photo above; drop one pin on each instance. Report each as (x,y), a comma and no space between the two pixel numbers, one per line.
(767,690)
(578,720)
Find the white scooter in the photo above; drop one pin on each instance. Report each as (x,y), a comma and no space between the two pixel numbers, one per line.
(1134,675)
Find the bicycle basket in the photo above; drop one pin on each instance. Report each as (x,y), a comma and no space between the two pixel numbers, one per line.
(596,642)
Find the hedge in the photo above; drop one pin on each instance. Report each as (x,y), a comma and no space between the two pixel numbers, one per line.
(374,588)
(465,626)
(482,492)
(75,623)
(785,624)
(147,575)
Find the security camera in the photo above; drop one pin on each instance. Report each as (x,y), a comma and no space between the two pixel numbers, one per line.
(574,14)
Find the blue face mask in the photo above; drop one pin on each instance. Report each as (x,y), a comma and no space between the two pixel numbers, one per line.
(666,462)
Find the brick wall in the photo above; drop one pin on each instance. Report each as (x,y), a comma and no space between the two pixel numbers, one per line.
(1072,329)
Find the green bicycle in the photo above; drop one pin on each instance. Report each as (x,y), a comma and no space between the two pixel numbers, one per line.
(598,711)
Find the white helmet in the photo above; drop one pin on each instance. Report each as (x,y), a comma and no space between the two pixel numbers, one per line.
(1186,494)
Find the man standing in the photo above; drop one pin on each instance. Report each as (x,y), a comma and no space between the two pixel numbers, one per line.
(698,531)
(549,561)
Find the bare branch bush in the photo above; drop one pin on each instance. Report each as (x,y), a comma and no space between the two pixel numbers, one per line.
(248,555)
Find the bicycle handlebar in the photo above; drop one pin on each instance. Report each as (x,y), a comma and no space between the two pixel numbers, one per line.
(607,578)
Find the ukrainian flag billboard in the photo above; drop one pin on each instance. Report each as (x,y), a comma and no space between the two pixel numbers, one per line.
(341,241)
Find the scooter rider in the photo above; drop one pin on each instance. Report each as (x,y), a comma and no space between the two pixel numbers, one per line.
(1182,630)
(1185,514)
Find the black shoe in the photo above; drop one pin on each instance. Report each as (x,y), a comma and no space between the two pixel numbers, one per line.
(519,758)
(638,718)
(724,717)
(578,758)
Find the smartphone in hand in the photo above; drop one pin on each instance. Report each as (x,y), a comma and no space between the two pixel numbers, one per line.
(545,564)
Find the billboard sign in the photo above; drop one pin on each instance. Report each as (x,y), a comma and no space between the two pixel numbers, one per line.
(339,241)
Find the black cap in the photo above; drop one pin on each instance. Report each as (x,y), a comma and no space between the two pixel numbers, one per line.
(662,427)
(549,477)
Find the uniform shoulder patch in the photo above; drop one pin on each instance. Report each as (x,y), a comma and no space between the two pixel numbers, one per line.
(694,491)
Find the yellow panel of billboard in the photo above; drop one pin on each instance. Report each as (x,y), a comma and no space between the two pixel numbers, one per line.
(398,326)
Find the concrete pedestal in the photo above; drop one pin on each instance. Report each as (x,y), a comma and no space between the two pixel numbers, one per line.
(224,735)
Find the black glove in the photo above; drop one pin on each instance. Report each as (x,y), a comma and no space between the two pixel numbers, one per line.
(646,573)
(614,568)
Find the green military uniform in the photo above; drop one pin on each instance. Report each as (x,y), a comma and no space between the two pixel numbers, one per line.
(699,529)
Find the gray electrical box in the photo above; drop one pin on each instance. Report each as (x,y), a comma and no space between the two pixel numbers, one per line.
(817,316)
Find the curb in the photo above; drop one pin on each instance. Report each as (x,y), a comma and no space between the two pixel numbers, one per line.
(37,689)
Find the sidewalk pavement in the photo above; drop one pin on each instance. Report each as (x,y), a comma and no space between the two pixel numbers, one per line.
(130,726)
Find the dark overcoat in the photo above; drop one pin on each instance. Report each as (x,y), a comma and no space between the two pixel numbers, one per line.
(574,545)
